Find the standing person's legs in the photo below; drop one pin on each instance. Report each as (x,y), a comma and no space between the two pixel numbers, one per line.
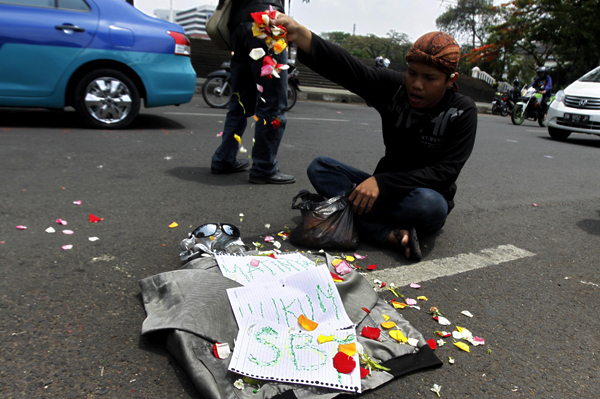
(241,107)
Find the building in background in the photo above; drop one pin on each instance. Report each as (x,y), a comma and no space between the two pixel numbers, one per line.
(192,20)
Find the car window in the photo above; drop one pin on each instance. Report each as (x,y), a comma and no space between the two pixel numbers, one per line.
(33,3)
(77,5)
(593,76)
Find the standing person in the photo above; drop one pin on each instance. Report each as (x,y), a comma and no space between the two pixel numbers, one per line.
(247,101)
(428,133)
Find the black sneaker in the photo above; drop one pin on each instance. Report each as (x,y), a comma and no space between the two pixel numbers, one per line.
(277,178)
(239,166)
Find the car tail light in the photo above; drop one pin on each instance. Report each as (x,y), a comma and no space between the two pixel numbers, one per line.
(182,43)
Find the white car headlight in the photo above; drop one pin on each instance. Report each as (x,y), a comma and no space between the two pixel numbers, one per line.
(560,96)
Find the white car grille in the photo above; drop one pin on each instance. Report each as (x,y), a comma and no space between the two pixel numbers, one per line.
(582,102)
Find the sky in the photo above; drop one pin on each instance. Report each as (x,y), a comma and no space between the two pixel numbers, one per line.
(413,17)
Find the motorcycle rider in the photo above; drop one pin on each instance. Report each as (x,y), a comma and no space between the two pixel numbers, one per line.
(543,84)
(382,62)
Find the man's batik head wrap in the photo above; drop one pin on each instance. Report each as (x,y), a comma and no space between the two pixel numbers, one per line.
(437,49)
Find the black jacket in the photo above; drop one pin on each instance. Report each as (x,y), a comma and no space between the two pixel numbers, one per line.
(424,148)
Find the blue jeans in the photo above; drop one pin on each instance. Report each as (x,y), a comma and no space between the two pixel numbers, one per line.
(422,208)
(247,101)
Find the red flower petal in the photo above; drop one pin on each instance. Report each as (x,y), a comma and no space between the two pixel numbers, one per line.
(258,17)
(336,277)
(372,267)
(370,332)
(272,256)
(344,363)
(95,219)
(366,310)
(268,60)
(432,344)
(276,123)
(363,372)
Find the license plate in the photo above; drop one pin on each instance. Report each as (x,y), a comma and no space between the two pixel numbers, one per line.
(576,119)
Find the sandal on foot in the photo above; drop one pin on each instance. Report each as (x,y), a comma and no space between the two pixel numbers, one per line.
(413,243)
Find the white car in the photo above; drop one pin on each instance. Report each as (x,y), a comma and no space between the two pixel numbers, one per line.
(577,108)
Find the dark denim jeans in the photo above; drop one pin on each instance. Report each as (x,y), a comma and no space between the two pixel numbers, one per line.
(422,208)
(248,101)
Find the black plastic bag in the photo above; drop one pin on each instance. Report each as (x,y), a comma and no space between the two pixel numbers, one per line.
(326,223)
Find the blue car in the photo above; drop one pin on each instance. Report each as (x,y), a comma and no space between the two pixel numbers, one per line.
(101,57)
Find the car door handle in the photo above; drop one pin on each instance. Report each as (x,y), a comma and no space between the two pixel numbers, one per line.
(70,27)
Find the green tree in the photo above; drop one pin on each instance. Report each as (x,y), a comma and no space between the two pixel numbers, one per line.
(336,37)
(534,30)
(468,20)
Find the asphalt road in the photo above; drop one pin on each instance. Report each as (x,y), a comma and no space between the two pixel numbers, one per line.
(71,319)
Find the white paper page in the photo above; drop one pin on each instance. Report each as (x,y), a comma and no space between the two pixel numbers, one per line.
(249,269)
(311,293)
(267,351)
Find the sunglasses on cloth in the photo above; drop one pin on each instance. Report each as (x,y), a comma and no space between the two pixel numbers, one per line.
(208,229)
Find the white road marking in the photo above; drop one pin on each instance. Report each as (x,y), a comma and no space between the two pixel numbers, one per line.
(429,270)
(221,115)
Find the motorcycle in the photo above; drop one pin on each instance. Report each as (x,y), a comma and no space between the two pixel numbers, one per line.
(501,105)
(217,92)
(530,107)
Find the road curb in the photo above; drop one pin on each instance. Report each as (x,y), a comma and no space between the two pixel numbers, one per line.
(342,96)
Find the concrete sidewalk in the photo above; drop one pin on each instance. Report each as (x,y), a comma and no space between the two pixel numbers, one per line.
(341,96)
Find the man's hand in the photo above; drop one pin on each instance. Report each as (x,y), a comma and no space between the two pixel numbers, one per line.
(363,197)
(296,32)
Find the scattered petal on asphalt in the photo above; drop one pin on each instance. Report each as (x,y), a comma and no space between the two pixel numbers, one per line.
(21,227)
(50,230)
(93,239)
(60,221)
(414,285)
(173,225)
(94,218)
(463,346)
(65,247)
(67,231)
(436,388)
(410,301)
(77,202)
(467,313)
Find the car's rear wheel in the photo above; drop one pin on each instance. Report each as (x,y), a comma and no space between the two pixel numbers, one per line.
(107,99)
(558,134)
(518,114)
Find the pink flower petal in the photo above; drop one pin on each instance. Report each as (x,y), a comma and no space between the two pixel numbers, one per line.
(414,285)
(266,70)
(220,134)
(410,301)
(60,221)
(254,262)
(260,88)
(67,231)
(77,202)
(21,227)
(269,239)
(479,340)
(357,256)
(65,247)
(343,268)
